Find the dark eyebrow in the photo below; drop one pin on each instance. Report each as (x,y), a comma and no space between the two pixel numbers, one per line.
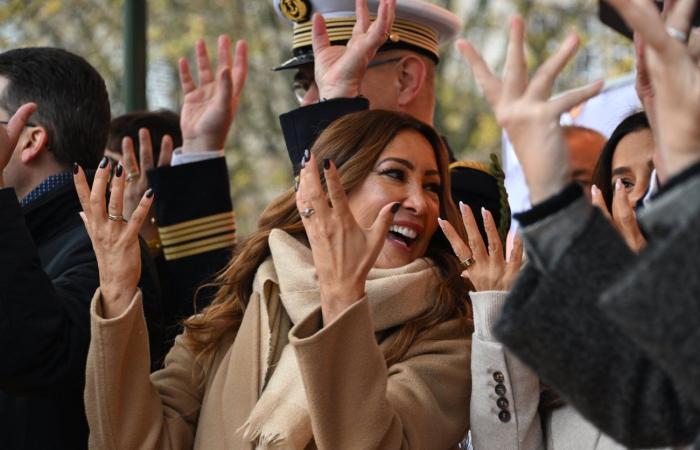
(620,170)
(408,165)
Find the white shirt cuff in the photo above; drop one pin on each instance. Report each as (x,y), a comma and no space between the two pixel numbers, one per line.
(180,158)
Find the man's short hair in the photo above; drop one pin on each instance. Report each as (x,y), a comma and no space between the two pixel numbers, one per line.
(159,123)
(73,104)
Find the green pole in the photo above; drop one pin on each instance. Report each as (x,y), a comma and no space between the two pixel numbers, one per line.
(135,43)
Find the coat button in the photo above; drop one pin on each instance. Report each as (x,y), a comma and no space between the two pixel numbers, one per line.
(504,416)
(498,377)
(500,390)
(502,403)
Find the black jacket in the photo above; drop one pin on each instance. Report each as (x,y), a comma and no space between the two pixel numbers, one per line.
(48,276)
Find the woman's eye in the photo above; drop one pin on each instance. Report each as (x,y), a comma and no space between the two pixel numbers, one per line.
(626,183)
(396,174)
(433,187)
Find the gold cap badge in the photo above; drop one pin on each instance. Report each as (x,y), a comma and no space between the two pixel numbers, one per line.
(295,10)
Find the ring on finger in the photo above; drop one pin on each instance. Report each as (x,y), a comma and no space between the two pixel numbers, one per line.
(467,262)
(307,212)
(131,176)
(677,34)
(114,218)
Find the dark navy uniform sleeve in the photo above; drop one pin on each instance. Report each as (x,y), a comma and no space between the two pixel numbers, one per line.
(303,125)
(197,228)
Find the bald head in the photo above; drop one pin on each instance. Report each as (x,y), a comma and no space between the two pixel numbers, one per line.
(585,146)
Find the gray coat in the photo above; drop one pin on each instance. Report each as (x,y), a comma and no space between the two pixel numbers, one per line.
(617,334)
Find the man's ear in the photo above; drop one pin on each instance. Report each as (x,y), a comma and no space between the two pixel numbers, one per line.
(34,141)
(413,74)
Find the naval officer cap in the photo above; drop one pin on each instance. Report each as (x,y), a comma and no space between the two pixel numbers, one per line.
(419,26)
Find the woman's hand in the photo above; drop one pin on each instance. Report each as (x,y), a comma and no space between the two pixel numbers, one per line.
(9,134)
(675,78)
(135,171)
(209,109)
(484,265)
(343,252)
(623,216)
(116,242)
(526,112)
(339,70)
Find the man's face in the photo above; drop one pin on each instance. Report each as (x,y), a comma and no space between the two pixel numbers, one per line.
(584,150)
(379,85)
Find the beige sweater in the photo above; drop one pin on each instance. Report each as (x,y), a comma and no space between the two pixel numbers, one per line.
(354,400)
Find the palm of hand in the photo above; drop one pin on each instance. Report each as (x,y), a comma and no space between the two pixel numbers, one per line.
(201,115)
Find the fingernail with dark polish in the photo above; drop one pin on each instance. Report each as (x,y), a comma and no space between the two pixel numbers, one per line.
(395,208)
(104,162)
(149,193)
(326,164)
(119,170)
(76,168)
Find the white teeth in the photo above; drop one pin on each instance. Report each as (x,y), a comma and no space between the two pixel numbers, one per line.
(404,231)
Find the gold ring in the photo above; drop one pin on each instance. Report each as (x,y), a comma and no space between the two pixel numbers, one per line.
(116,218)
(131,176)
(467,262)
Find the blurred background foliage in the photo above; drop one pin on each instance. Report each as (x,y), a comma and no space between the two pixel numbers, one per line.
(255,151)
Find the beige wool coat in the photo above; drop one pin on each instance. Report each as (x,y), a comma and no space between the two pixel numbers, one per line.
(354,400)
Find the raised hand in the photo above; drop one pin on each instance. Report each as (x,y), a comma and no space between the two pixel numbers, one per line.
(343,252)
(9,134)
(339,70)
(674,75)
(526,112)
(623,216)
(209,109)
(484,265)
(136,179)
(114,240)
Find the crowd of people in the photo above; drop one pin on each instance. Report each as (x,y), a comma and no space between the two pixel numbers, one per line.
(380,304)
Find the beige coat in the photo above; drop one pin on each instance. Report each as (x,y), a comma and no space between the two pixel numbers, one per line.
(354,400)
(561,429)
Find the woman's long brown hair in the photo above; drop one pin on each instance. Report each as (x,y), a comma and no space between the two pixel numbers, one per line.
(354,143)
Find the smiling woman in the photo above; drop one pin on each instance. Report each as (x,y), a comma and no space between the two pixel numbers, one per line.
(341,323)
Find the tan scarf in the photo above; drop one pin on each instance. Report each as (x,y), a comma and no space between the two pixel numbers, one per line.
(280,418)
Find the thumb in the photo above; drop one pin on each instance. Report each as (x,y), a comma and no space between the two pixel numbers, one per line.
(381,224)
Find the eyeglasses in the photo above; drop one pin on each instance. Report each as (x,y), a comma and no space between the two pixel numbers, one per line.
(28,124)
(301,86)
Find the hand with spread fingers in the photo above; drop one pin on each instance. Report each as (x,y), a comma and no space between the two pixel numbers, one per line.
(115,241)
(623,216)
(343,252)
(526,111)
(135,170)
(339,70)
(484,265)
(674,75)
(209,109)
(9,134)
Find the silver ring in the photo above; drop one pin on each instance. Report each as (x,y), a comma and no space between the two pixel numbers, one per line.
(116,218)
(467,262)
(677,34)
(307,212)
(131,176)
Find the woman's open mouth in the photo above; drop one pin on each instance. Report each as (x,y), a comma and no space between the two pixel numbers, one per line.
(403,235)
